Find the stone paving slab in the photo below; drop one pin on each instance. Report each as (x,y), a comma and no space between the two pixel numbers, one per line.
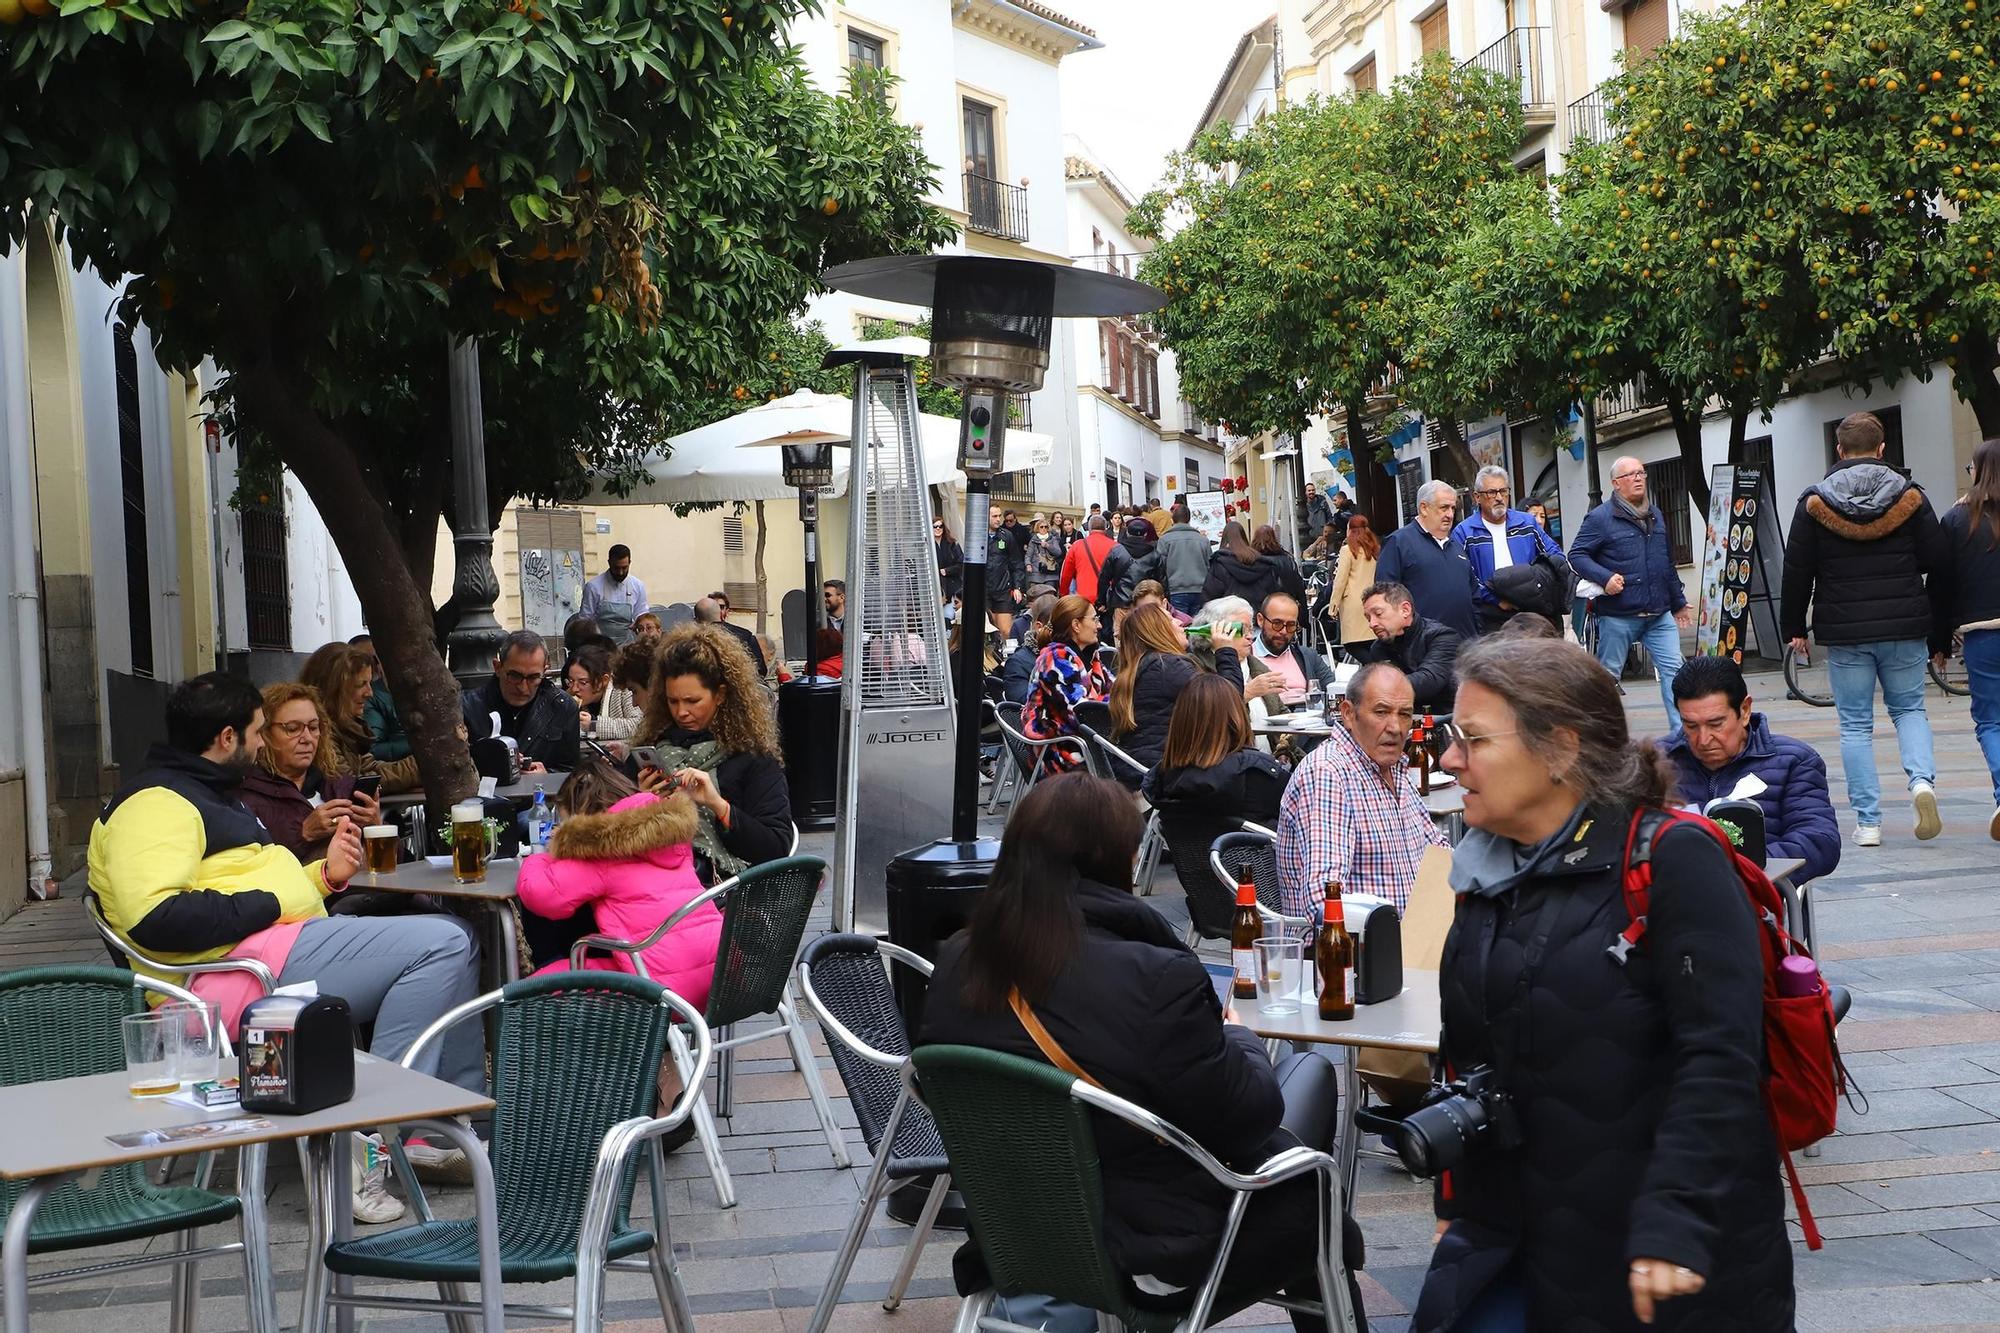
(1907,1194)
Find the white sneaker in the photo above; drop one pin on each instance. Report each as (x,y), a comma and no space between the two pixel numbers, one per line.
(1867,835)
(445,1166)
(373,1204)
(1925,800)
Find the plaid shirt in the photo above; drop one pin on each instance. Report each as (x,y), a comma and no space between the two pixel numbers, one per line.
(1341,821)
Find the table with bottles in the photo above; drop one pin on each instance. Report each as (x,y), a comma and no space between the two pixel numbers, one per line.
(496,891)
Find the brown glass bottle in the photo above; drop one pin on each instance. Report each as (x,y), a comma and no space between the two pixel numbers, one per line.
(1333,955)
(1422,737)
(1244,929)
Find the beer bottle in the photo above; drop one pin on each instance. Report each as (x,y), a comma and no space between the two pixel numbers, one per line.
(1423,740)
(1244,929)
(1333,954)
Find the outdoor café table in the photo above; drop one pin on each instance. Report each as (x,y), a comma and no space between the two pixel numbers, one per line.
(496,891)
(522,793)
(1446,802)
(1412,1021)
(1294,724)
(60,1129)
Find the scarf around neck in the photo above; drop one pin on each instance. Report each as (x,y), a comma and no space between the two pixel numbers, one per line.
(1643,517)
(684,749)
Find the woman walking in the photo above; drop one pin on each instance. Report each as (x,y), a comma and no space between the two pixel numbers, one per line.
(1965,597)
(1353,575)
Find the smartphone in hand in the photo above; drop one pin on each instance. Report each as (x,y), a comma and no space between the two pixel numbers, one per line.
(648,756)
(369,786)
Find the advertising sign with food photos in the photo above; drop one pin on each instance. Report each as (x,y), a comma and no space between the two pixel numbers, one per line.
(1739,568)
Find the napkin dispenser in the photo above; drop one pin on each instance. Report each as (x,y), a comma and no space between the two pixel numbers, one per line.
(1744,821)
(297,1054)
(1378,934)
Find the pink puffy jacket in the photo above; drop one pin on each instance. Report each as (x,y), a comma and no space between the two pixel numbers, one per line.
(634,866)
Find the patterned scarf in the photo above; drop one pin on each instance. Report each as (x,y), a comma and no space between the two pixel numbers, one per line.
(702,751)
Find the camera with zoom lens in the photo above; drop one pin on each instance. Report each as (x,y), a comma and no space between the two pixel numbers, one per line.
(1473,1112)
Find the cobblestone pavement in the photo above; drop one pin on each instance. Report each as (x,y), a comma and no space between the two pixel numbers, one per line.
(1908,1194)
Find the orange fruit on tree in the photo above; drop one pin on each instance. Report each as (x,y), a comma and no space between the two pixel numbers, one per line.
(829,205)
(40,9)
(12,12)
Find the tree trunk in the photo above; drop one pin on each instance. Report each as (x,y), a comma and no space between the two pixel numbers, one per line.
(1460,451)
(763,588)
(1739,423)
(1373,495)
(1687,433)
(1973,379)
(397,609)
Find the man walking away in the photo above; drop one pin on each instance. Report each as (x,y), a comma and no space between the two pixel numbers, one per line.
(1422,556)
(614,599)
(1498,537)
(1622,547)
(1861,543)
(1183,553)
(1084,560)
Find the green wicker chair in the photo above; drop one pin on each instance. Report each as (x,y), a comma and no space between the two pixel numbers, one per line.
(575,1072)
(1024,1154)
(63,1022)
(764,914)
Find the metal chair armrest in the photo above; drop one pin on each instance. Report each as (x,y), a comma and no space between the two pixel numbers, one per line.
(1280,1167)
(838,1030)
(612,944)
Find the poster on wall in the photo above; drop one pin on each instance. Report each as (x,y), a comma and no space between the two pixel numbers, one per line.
(1739,568)
(1206,513)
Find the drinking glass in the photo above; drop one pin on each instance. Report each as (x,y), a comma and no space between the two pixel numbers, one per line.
(197,1044)
(380,840)
(1280,967)
(150,1054)
(468,843)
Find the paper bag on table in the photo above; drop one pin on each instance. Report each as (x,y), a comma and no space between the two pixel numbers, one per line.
(1400,1077)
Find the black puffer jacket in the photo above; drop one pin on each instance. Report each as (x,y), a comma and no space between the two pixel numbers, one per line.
(1290,581)
(1637,1086)
(1861,542)
(1246,785)
(1427,653)
(1131,562)
(1136,1011)
(1230,577)
(1162,677)
(1966,588)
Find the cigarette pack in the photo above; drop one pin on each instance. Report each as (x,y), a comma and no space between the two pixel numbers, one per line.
(216,1091)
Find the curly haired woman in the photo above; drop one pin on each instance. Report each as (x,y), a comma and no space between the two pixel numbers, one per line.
(708,716)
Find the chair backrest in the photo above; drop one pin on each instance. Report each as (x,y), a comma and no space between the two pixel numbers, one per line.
(1024,1155)
(1190,835)
(1248,852)
(1023,751)
(849,978)
(120,951)
(577,1052)
(763,923)
(677,613)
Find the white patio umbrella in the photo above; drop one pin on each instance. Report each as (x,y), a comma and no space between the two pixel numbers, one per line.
(738,458)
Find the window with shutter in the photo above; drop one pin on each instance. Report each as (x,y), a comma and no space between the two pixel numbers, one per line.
(1645,29)
(1434,31)
(1362,80)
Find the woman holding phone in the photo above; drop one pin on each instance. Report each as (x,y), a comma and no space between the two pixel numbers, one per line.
(708,732)
(291,790)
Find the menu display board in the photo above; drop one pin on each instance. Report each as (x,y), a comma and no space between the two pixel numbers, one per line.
(1739,571)
(1205,513)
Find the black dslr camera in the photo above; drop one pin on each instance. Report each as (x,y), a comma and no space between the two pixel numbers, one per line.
(1453,1120)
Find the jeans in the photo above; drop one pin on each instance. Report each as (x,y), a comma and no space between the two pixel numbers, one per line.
(1187,603)
(1854,668)
(1662,637)
(400,973)
(1501,1308)
(1982,669)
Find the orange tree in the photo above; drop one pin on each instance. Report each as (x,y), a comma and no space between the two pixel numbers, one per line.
(1281,249)
(620,201)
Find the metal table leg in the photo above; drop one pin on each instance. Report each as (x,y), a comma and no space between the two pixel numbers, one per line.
(14,1251)
(338,1175)
(322,1199)
(1350,1133)
(262,1293)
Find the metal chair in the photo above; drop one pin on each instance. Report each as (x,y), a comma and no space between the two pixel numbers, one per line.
(764,913)
(1188,836)
(124,953)
(1026,752)
(1024,1154)
(63,1022)
(575,1073)
(1253,852)
(1106,760)
(844,980)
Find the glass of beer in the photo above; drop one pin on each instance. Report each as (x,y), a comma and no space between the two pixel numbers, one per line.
(151,1053)
(380,839)
(468,843)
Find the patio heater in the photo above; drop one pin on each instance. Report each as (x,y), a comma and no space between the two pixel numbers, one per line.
(991,321)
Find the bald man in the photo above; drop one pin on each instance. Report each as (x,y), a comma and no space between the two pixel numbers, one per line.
(1622,546)
(708,611)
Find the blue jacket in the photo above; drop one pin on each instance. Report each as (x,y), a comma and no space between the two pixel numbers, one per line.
(1609,542)
(1798,813)
(1525,540)
(1438,577)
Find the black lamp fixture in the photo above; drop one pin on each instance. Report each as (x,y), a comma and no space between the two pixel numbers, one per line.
(991,321)
(808,460)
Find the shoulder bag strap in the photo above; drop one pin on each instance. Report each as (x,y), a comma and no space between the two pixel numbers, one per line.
(1045,1043)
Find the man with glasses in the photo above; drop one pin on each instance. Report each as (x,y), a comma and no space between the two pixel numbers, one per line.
(532,709)
(1498,537)
(1423,556)
(1280,649)
(1622,547)
(1352,813)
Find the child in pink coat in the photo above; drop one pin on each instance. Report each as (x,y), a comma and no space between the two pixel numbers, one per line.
(633,865)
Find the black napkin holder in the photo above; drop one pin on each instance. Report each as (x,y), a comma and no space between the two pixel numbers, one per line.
(297,1054)
(1747,818)
(1378,971)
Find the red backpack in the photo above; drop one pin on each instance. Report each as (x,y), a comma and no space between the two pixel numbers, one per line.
(1804,1079)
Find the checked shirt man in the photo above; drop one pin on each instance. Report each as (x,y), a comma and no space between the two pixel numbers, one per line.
(1352,812)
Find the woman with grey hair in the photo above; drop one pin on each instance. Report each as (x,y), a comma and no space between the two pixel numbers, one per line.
(1628,1176)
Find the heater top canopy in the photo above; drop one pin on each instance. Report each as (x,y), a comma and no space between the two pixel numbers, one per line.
(1000,287)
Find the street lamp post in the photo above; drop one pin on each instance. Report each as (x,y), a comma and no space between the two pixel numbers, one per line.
(809,466)
(474,588)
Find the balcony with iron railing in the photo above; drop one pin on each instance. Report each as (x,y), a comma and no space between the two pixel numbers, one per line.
(1522,55)
(1589,121)
(995,208)
(1628,399)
